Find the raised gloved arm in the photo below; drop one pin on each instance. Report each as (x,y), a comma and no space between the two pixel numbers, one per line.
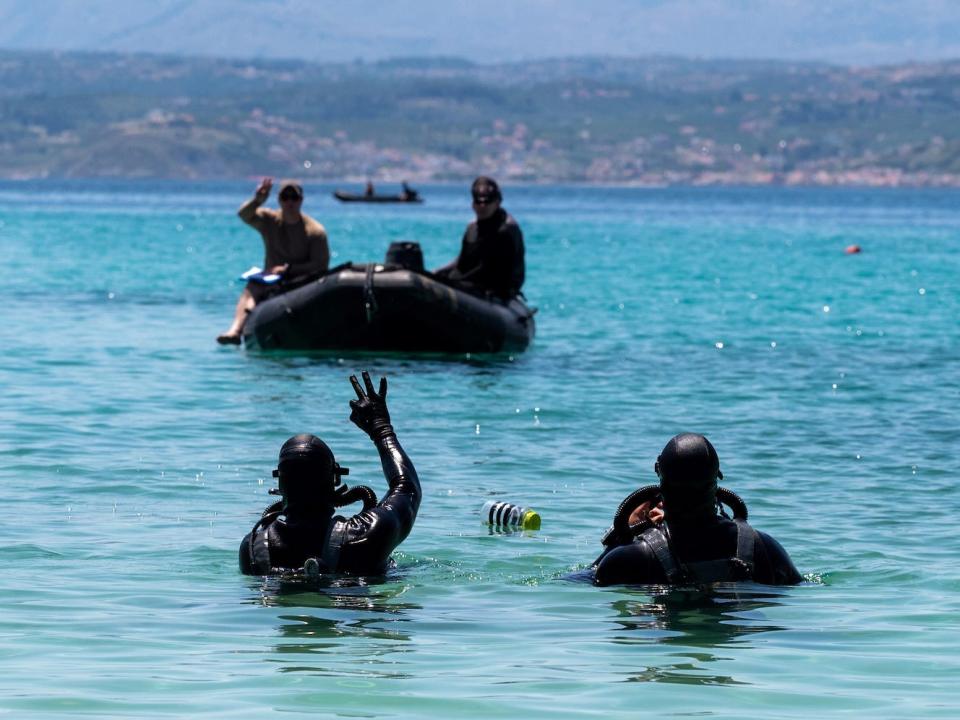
(372,534)
(370,414)
(369,411)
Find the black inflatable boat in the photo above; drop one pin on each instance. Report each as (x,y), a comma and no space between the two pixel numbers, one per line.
(360,197)
(391,306)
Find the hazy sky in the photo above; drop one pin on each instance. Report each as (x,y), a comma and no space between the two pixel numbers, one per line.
(842,31)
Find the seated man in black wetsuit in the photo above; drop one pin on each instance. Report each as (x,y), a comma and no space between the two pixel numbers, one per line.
(691,543)
(491,253)
(302,533)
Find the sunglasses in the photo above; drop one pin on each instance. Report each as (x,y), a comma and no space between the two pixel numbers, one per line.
(484,199)
(289,197)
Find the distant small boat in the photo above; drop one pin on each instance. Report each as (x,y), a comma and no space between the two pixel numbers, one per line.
(413,197)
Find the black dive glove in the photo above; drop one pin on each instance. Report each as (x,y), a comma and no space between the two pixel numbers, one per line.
(369,411)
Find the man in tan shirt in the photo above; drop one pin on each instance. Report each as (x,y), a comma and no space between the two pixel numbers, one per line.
(294,245)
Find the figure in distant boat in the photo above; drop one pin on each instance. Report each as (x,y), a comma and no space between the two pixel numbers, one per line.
(301,534)
(295,245)
(407,192)
(491,259)
(674,534)
(369,192)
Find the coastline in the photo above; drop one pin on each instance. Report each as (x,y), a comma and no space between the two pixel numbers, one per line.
(867,178)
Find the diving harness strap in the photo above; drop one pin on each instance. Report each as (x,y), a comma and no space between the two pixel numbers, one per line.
(335,537)
(260,547)
(739,567)
(260,543)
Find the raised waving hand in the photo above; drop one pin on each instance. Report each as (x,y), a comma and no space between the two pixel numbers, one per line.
(369,411)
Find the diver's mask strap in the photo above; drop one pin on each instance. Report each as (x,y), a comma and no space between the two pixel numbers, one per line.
(656,469)
(276,490)
(338,472)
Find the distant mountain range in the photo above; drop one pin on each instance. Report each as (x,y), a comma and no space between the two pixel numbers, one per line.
(655,120)
(863,32)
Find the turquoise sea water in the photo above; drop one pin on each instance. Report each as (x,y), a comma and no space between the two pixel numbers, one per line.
(136,453)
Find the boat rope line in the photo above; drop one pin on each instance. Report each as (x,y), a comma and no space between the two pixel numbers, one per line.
(369,299)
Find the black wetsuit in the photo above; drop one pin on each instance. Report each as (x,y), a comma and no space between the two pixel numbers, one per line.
(700,554)
(491,256)
(360,545)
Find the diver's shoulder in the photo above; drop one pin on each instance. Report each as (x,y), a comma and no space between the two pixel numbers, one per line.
(775,551)
(634,563)
(769,542)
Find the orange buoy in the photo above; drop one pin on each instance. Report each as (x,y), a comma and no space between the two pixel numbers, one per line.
(852,249)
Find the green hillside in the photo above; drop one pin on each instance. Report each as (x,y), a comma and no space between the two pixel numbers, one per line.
(651,121)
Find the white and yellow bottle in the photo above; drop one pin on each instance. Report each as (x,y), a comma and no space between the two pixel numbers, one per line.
(505,515)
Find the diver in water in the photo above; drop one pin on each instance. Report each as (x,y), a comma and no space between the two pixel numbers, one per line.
(301,532)
(686,540)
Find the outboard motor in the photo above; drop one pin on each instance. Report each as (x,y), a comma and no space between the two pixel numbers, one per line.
(405,254)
